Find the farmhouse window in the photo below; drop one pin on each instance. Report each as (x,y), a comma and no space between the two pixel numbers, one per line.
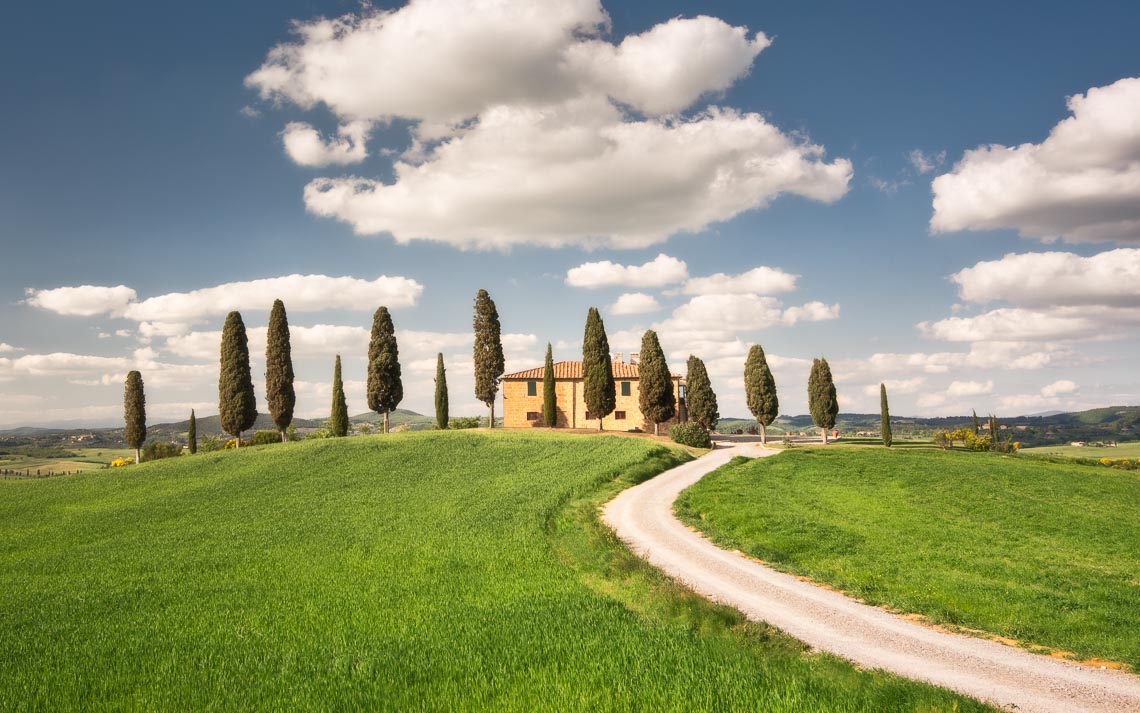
(625,388)
(533,415)
(619,415)
(588,416)
(532,388)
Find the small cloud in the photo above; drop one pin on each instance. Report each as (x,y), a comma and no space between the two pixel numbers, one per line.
(925,163)
(635,303)
(249,112)
(1057,388)
(888,188)
(658,272)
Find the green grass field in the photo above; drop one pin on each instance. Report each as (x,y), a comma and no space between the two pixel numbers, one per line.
(1043,553)
(423,571)
(1122,450)
(82,459)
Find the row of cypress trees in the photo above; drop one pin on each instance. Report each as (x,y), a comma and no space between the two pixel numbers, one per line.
(657,401)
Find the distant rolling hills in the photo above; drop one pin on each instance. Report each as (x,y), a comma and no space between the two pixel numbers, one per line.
(1116,423)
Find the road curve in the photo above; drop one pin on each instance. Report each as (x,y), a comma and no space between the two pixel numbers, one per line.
(870,637)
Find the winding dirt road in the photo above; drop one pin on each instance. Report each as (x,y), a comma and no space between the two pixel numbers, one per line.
(868,636)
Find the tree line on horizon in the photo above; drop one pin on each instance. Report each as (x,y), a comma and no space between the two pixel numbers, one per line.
(237,400)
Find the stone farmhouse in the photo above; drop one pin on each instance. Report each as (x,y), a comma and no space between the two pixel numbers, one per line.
(522,398)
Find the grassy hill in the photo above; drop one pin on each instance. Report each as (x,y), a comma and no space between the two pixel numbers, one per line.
(1038,552)
(433,571)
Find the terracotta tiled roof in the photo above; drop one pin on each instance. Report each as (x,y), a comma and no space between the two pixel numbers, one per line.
(573,370)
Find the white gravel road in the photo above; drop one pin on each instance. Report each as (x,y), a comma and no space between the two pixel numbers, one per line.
(868,636)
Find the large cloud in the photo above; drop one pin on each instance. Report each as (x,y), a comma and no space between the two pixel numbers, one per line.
(1082,183)
(529,128)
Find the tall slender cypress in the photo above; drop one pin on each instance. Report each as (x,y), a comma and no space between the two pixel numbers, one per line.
(655,398)
(885,411)
(700,398)
(977,424)
(385,388)
(237,403)
(597,369)
(549,395)
(760,390)
(441,402)
(822,401)
(192,434)
(338,416)
(134,413)
(280,396)
(489,363)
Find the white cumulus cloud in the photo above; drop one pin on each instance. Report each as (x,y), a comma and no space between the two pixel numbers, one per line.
(634,303)
(1059,388)
(1055,278)
(761,280)
(170,314)
(1081,184)
(658,272)
(83,300)
(528,128)
(307,147)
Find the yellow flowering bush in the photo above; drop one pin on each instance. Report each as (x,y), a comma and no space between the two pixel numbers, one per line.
(120,462)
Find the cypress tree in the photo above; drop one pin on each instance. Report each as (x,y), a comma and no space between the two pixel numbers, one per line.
(338,418)
(655,398)
(385,389)
(279,394)
(994,428)
(700,399)
(488,352)
(192,434)
(237,403)
(597,369)
(888,438)
(822,401)
(760,390)
(441,404)
(977,424)
(549,396)
(134,413)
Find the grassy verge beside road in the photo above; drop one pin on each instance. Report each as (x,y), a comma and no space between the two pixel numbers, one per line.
(1045,554)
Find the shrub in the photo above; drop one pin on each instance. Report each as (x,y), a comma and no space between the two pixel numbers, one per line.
(159,450)
(120,462)
(264,438)
(690,434)
(462,422)
(206,444)
(232,443)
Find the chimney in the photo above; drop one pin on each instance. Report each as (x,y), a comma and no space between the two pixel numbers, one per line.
(635,357)
(617,358)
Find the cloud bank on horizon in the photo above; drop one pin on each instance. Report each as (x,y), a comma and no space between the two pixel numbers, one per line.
(528,127)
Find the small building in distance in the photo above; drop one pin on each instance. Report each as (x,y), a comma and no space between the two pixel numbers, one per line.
(522,398)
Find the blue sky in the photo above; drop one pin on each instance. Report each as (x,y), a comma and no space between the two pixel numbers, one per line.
(162,150)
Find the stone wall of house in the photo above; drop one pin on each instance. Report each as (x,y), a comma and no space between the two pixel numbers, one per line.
(522,411)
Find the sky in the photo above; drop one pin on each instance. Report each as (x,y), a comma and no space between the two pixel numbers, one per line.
(944,198)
